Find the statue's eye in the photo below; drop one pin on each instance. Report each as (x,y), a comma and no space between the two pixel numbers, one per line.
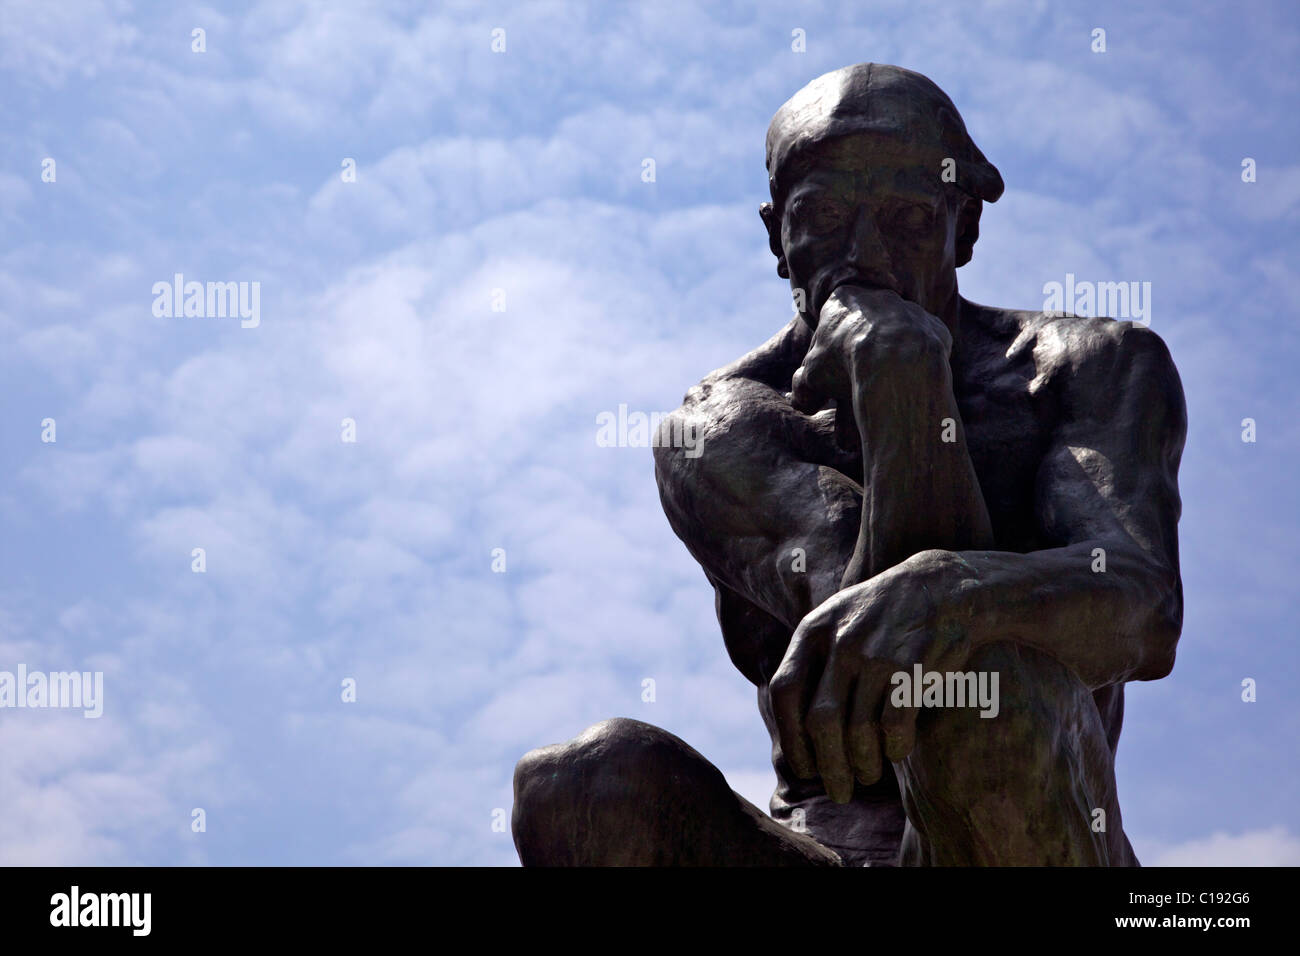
(818,212)
(910,216)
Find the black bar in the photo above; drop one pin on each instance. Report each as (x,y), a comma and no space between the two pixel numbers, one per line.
(332,905)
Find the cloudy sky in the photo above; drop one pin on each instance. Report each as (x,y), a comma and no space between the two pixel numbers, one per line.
(498,274)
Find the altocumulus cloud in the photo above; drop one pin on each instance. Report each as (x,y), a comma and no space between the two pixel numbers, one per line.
(516,179)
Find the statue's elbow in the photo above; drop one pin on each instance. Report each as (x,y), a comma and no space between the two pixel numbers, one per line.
(1163,630)
(679,436)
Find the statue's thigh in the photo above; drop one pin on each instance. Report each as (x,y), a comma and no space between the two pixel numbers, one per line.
(626,793)
(1033,785)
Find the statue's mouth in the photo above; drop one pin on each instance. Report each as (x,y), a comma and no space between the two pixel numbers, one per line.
(854,278)
(885,281)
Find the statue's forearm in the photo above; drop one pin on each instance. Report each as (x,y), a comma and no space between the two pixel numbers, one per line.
(920,490)
(1120,623)
(922,507)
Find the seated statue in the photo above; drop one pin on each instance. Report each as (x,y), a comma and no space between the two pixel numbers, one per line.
(899,487)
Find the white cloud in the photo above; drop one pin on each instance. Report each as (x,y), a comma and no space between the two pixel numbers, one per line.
(1275,846)
(48,42)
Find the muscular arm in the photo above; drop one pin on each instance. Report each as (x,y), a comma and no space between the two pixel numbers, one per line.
(885,361)
(1108,482)
(1107,491)
(771,506)
(789,500)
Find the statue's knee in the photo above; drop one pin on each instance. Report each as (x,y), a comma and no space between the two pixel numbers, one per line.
(551,786)
(540,781)
(576,803)
(539,804)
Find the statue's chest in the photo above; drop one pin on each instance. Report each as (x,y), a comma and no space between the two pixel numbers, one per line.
(1007,429)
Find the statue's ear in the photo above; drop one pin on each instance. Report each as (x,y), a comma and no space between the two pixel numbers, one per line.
(767,212)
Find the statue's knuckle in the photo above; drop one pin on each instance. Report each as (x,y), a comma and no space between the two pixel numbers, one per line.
(862,344)
(783,685)
(913,340)
(824,720)
(809,629)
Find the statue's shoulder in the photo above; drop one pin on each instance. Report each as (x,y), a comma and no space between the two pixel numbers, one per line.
(1065,348)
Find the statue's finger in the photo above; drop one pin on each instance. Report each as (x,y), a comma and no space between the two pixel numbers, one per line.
(898,728)
(827,723)
(803,396)
(864,723)
(789,691)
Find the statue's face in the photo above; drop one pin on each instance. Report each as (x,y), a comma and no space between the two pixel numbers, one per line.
(865,211)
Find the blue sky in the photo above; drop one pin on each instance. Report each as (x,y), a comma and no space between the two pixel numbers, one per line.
(521,171)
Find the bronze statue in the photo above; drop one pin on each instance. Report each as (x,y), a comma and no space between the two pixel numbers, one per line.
(901,483)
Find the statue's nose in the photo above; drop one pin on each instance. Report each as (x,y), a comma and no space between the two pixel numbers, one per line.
(867,253)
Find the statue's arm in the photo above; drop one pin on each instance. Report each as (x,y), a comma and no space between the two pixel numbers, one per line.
(767,506)
(1107,495)
(1108,483)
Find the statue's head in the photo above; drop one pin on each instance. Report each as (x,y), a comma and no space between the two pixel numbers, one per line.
(874,181)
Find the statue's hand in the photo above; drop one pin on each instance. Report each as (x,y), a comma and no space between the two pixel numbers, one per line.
(831,693)
(862,333)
